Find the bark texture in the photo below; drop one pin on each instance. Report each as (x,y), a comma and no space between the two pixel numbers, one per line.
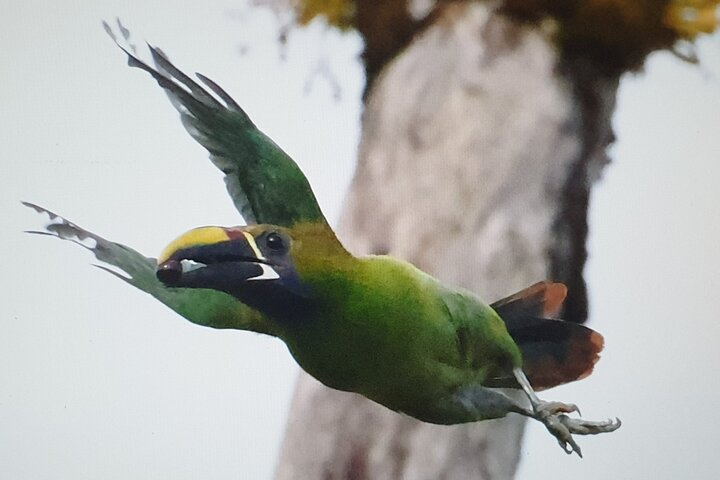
(477,150)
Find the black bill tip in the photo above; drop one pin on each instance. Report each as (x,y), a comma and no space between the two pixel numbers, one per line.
(169,273)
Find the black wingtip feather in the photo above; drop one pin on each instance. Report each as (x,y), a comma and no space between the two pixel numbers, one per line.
(109,31)
(124,31)
(195,99)
(217,89)
(198,92)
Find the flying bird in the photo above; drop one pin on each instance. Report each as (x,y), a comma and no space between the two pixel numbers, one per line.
(374,325)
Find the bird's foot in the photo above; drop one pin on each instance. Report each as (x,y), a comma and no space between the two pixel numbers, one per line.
(561,426)
(542,407)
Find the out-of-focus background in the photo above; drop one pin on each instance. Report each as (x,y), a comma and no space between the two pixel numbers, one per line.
(98,380)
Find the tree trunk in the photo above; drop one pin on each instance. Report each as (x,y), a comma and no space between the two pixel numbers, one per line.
(478,147)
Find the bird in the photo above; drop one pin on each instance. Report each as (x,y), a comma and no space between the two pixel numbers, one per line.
(374,325)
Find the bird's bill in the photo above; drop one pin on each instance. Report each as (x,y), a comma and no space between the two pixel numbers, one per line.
(213,257)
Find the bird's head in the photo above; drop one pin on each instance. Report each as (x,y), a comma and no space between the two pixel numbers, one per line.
(261,265)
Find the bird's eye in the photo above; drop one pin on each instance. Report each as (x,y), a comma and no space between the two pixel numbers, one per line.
(275,241)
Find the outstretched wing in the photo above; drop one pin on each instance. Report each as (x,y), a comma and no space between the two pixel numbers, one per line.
(203,307)
(265,184)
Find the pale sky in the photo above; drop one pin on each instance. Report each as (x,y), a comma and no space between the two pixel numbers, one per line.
(98,380)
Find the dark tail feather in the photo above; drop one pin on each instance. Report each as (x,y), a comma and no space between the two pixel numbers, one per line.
(542,300)
(554,351)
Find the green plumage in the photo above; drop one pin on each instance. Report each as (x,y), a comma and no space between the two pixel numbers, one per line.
(207,308)
(399,337)
(374,325)
(387,330)
(265,184)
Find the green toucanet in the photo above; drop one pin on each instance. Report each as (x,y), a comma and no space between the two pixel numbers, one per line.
(373,325)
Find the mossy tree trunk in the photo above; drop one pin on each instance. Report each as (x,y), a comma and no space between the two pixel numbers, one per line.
(480,143)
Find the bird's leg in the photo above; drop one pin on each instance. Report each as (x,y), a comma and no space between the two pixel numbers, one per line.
(553,416)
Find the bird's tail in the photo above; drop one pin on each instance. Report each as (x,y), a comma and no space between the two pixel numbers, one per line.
(554,351)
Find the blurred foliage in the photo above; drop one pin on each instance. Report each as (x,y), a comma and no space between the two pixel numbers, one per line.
(338,13)
(617,34)
(385,25)
(689,18)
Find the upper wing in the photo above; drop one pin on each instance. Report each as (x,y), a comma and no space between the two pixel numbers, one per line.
(203,307)
(265,184)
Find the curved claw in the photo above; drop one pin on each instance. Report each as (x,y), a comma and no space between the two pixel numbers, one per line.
(562,431)
(553,416)
(588,427)
(562,427)
(573,447)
